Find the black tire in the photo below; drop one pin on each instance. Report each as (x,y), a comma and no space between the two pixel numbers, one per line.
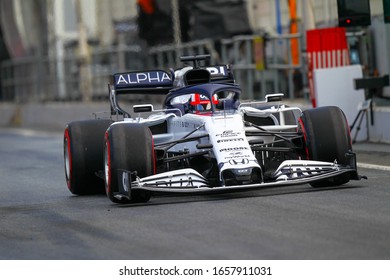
(327,138)
(83,148)
(128,147)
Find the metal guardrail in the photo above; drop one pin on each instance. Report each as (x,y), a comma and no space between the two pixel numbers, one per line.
(277,75)
(45,79)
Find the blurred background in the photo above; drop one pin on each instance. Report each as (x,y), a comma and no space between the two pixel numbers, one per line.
(65,50)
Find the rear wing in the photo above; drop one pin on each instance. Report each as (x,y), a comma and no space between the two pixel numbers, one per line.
(221,74)
(152,81)
(216,74)
(161,82)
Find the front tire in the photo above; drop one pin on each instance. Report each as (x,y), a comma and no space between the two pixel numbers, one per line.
(327,138)
(82,155)
(128,147)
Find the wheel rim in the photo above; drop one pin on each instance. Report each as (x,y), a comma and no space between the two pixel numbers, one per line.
(67,158)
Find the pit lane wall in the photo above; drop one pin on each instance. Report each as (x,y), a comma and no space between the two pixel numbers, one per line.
(54,116)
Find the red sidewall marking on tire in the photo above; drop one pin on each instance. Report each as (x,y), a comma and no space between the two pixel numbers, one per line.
(304,137)
(154,157)
(69,155)
(108,153)
(349,132)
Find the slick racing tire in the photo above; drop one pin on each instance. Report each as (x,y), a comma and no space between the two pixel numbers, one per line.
(128,147)
(83,149)
(327,138)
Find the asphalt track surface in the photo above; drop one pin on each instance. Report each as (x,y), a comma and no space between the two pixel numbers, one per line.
(40,219)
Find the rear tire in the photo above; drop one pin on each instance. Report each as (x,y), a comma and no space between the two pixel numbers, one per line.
(129,147)
(83,155)
(327,138)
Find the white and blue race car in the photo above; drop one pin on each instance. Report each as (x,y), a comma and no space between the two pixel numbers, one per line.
(203,139)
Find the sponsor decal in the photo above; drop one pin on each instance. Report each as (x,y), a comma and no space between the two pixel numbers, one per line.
(180,124)
(217,71)
(233,149)
(237,157)
(235,164)
(230,140)
(229,133)
(244,171)
(238,161)
(143,78)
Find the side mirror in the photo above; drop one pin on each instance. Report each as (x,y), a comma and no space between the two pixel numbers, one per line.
(144,108)
(274,97)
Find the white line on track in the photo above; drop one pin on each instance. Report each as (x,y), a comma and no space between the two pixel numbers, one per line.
(29,132)
(373,166)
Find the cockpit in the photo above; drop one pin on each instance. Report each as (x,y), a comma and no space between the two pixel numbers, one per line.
(205,103)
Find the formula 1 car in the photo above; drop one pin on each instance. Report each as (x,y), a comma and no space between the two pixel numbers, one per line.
(204,139)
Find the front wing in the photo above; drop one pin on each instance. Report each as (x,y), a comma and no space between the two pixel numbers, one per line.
(290,172)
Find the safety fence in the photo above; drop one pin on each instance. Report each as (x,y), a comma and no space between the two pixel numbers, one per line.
(43,79)
(261,64)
